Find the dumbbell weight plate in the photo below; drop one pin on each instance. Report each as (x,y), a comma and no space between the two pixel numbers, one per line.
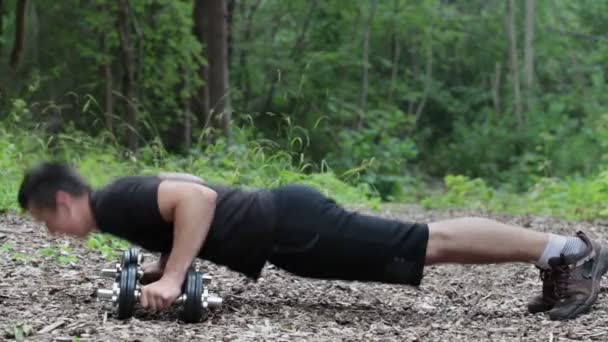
(134,255)
(130,256)
(126,258)
(193,287)
(126,296)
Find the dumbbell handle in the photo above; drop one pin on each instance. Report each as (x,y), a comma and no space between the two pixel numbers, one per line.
(113,272)
(213,301)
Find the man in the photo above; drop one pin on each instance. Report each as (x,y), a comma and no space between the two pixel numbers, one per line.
(301,231)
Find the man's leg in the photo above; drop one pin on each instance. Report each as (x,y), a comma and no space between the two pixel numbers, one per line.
(572,266)
(317,238)
(480,241)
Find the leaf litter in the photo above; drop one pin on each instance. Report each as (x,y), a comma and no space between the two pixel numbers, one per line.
(42,299)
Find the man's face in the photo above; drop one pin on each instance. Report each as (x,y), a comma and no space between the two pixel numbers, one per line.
(65,219)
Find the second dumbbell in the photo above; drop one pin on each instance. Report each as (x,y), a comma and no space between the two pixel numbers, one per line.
(195,298)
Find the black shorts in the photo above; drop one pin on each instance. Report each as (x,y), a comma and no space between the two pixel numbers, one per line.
(316,238)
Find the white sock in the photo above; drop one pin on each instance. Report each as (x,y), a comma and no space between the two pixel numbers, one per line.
(559,244)
(574,245)
(554,246)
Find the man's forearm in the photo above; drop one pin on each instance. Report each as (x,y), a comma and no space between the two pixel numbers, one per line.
(192,221)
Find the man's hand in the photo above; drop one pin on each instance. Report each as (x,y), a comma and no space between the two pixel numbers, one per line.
(153,271)
(160,295)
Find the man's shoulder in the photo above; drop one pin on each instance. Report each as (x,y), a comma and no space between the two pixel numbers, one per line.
(124,185)
(131,180)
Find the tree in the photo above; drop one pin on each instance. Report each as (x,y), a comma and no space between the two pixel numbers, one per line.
(245,79)
(1,23)
(128,62)
(513,60)
(201,101)
(396,47)
(364,78)
(212,23)
(529,53)
(105,72)
(19,35)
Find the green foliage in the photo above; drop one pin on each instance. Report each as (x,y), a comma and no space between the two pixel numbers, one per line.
(573,198)
(108,246)
(384,141)
(440,99)
(461,192)
(6,247)
(19,331)
(60,254)
(18,256)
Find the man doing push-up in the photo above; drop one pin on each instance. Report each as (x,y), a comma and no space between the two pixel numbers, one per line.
(298,229)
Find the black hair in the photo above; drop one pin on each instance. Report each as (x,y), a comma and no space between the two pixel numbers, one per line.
(41,183)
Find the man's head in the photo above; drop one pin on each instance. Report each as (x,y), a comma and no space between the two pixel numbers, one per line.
(54,193)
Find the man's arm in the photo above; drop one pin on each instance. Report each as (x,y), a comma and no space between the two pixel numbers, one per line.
(191,208)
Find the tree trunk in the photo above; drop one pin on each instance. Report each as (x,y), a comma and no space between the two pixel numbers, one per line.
(35,32)
(364,78)
(19,35)
(413,65)
(299,45)
(2,78)
(187,125)
(128,62)
(496,89)
(1,23)
(139,57)
(186,103)
(427,84)
(201,100)
(217,42)
(396,53)
(229,19)
(513,60)
(245,80)
(106,73)
(529,54)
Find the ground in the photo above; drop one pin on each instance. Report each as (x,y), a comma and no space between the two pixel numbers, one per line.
(454,303)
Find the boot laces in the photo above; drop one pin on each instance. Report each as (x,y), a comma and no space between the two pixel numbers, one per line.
(562,281)
(545,274)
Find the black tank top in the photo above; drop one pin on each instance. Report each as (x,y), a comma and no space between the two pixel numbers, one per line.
(240,236)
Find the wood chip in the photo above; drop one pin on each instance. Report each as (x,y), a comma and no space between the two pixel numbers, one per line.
(15,231)
(51,327)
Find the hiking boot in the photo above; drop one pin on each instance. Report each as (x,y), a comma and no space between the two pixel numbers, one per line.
(545,301)
(577,279)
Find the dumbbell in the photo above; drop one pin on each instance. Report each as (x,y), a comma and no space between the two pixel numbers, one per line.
(130,256)
(194,299)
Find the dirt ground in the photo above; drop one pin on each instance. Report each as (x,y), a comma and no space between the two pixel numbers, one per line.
(454,303)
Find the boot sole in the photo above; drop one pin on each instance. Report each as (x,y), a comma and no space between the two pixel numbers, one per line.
(599,270)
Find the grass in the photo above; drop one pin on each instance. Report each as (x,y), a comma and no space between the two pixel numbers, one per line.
(572,198)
